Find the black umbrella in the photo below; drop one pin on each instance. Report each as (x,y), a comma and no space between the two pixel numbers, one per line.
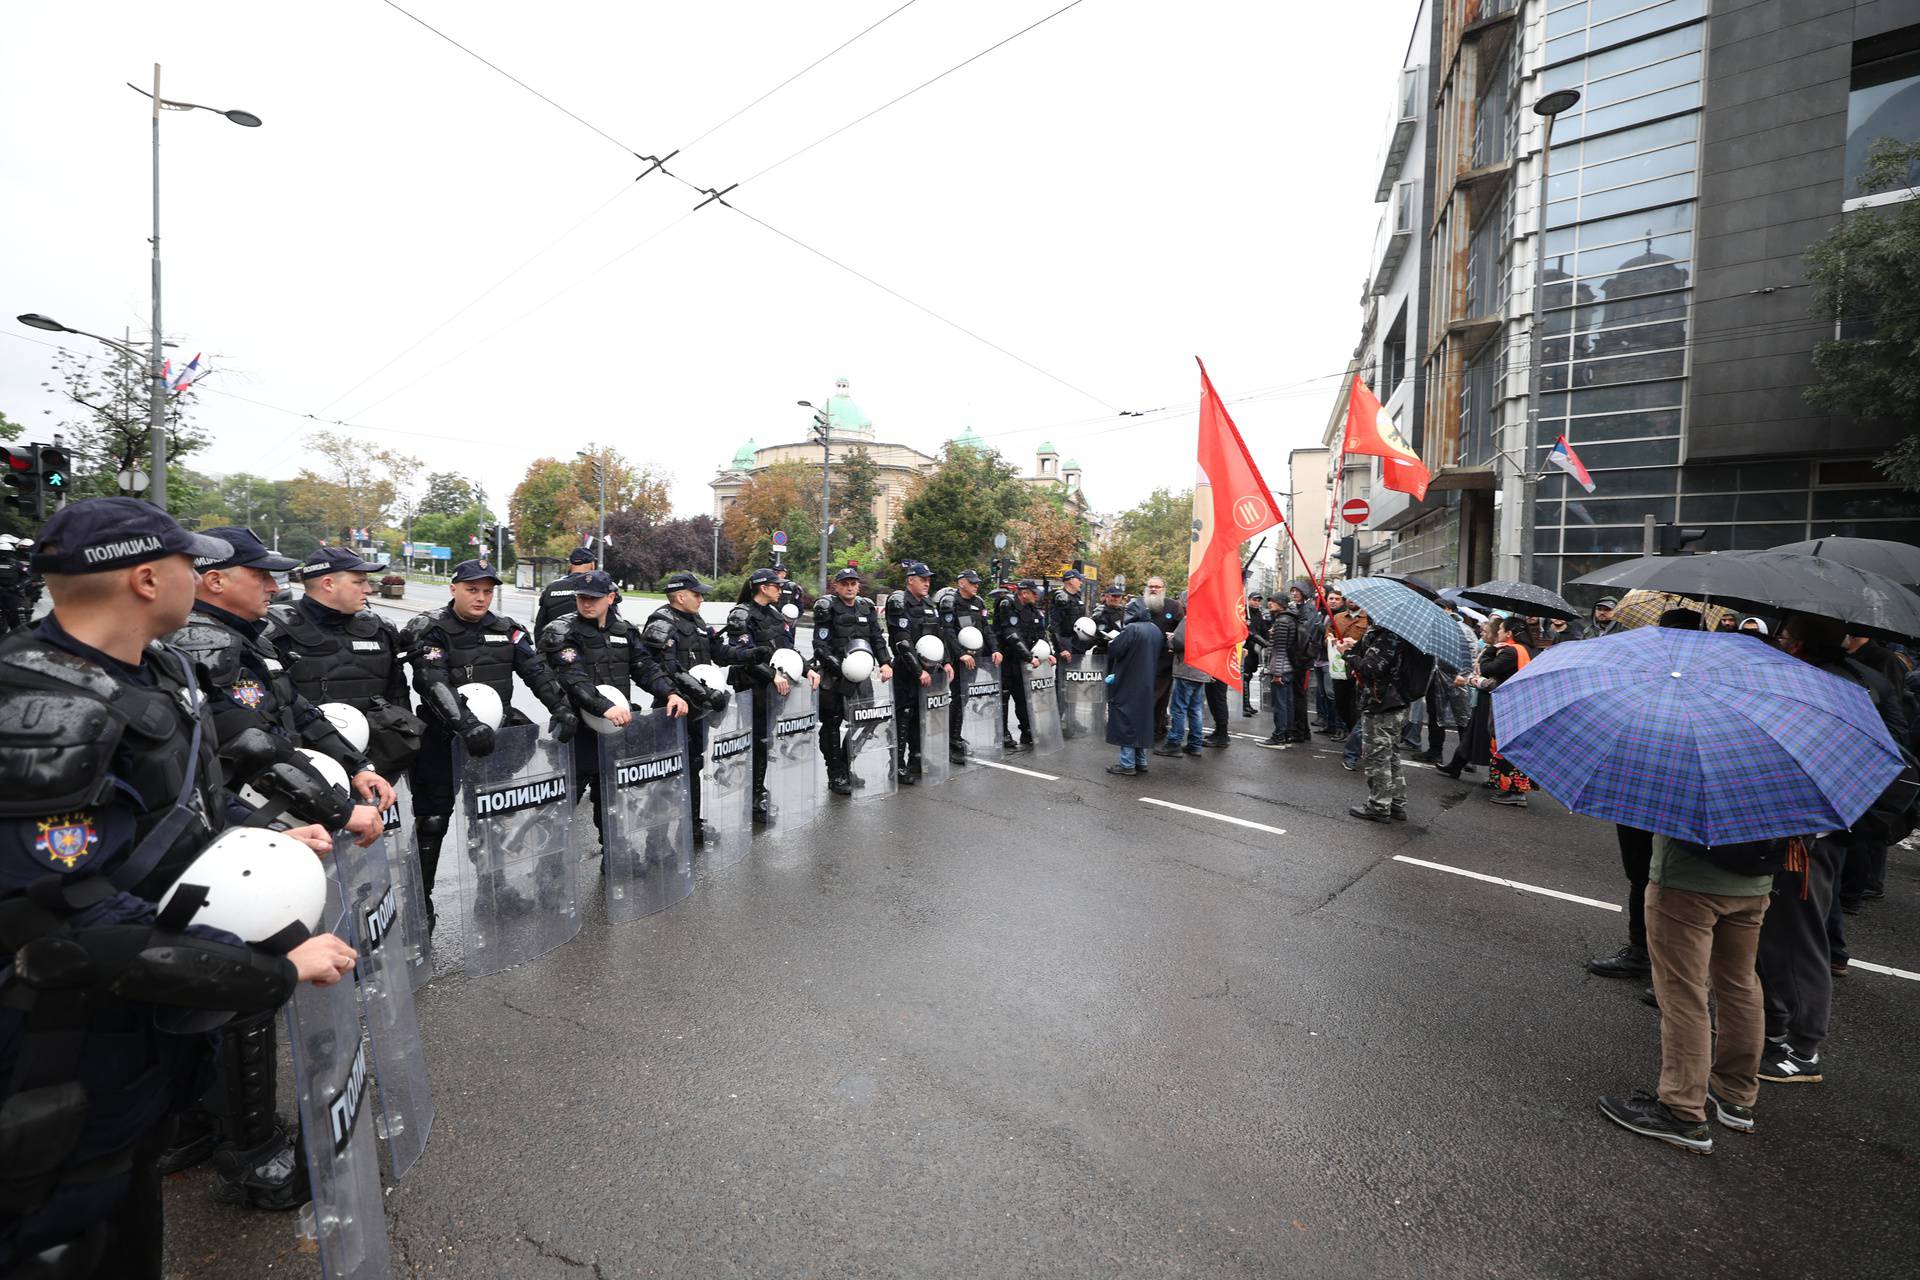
(1897,560)
(1522,598)
(1775,582)
(1408,580)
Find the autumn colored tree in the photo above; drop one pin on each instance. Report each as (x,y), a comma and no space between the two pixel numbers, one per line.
(547,510)
(777,498)
(1050,535)
(354,485)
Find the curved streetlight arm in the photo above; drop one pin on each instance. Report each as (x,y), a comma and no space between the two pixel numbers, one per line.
(246,118)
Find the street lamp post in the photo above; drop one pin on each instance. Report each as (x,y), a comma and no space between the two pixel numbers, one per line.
(157,406)
(600,473)
(1546,108)
(823,426)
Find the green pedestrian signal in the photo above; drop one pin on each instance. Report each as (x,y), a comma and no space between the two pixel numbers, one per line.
(53,467)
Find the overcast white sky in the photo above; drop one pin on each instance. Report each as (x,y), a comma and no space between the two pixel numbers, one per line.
(1128,185)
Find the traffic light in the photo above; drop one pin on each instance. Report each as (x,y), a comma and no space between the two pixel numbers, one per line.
(22,479)
(54,480)
(1674,539)
(1350,554)
(36,478)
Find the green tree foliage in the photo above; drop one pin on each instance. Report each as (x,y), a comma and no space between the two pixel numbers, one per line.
(1051,534)
(951,518)
(353,486)
(630,486)
(108,428)
(449,493)
(456,531)
(785,496)
(9,429)
(1866,275)
(1151,538)
(547,510)
(856,487)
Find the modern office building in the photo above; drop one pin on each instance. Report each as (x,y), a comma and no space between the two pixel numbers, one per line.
(1712,143)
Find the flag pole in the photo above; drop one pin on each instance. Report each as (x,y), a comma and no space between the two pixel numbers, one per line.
(1333,502)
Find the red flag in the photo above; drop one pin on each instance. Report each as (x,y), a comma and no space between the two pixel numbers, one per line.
(1231,503)
(1369,431)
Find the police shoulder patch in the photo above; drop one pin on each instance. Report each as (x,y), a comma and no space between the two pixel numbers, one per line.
(568,654)
(247,692)
(67,839)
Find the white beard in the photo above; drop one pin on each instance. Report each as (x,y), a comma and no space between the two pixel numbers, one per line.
(1156,603)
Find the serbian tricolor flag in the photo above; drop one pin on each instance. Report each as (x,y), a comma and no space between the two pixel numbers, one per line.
(1231,503)
(1568,461)
(1371,432)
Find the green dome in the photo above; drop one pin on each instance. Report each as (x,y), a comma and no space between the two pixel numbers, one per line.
(1070,465)
(1046,446)
(969,439)
(844,417)
(743,457)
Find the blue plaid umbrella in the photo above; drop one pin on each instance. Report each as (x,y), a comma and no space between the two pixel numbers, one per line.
(1715,739)
(1414,618)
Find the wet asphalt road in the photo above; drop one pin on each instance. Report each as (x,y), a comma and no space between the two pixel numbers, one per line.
(1019,1026)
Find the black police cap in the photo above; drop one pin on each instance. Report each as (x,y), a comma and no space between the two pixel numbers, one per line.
(685,580)
(1115,589)
(1073,575)
(246,551)
(326,560)
(475,571)
(848,574)
(595,582)
(967,575)
(95,535)
(761,577)
(580,555)
(1029,584)
(916,569)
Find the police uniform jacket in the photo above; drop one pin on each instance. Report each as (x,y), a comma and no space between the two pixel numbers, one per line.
(339,657)
(252,688)
(760,627)
(583,655)
(1063,610)
(1109,618)
(557,601)
(1018,626)
(839,627)
(958,612)
(910,618)
(446,651)
(680,641)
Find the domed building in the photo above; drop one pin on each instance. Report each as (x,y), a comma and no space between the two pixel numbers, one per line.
(899,465)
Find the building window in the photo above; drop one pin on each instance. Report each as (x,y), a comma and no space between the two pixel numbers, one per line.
(1883,102)
(1393,355)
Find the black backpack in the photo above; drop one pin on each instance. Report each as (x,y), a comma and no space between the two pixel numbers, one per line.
(1750,858)
(1309,634)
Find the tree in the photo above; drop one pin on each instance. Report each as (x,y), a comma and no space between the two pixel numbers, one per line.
(355,485)
(457,531)
(645,551)
(779,497)
(1865,276)
(110,429)
(547,510)
(629,487)
(1151,538)
(9,429)
(1051,534)
(951,517)
(856,487)
(448,494)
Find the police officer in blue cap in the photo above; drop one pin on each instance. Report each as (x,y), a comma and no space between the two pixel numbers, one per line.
(113,789)
(842,621)
(758,620)
(338,650)
(1019,623)
(466,642)
(964,611)
(557,601)
(680,640)
(911,617)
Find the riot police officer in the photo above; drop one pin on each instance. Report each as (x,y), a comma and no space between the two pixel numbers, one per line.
(1111,616)
(842,622)
(114,787)
(792,602)
(680,640)
(557,601)
(962,606)
(1064,609)
(758,621)
(1253,655)
(338,650)
(466,642)
(593,646)
(13,584)
(911,616)
(1018,623)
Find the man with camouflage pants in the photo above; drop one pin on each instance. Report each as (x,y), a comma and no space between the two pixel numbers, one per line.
(1379,666)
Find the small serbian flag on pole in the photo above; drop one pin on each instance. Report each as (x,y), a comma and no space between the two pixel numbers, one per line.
(1568,461)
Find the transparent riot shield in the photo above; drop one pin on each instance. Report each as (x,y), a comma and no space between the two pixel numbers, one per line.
(331,1079)
(983,722)
(936,706)
(1043,705)
(726,802)
(646,816)
(869,730)
(386,1001)
(519,880)
(414,943)
(1083,683)
(795,776)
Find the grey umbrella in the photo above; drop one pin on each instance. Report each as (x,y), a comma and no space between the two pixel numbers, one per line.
(1522,598)
(1897,560)
(1775,582)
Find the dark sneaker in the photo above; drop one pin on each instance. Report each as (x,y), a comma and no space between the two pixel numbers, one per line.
(1782,1065)
(1398,813)
(1167,749)
(1216,740)
(1839,968)
(1452,771)
(1275,740)
(1647,1115)
(1370,813)
(1140,768)
(1122,770)
(1428,757)
(1192,751)
(1008,744)
(1649,999)
(905,776)
(840,784)
(1351,766)
(1511,799)
(1628,962)
(272,1176)
(195,1137)
(1730,1114)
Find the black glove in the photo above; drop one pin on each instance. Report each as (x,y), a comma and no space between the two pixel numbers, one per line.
(564,724)
(717,699)
(478,739)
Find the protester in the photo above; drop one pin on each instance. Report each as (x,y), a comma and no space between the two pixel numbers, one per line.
(1754,627)
(1283,632)
(1603,623)
(1345,626)
(1474,747)
(1189,697)
(1393,674)
(1133,657)
(1166,615)
(1560,630)
(1506,656)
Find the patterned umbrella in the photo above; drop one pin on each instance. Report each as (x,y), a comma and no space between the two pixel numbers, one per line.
(1897,560)
(1522,598)
(1710,738)
(1643,609)
(1414,618)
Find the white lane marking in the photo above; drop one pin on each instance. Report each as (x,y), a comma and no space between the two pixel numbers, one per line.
(1889,970)
(1510,884)
(1217,817)
(1011,768)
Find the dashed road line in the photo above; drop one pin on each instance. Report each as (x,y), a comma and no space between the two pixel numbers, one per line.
(1014,768)
(1889,970)
(1217,817)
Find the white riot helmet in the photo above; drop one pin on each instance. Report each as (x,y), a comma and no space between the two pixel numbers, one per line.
(1042,650)
(600,724)
(710,675)
(931,649)
(257,884)
(484,704)
(1085,627)
(790,611)
(970,638)
(326,766)
(789,663)
(349,721)
(857,667)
